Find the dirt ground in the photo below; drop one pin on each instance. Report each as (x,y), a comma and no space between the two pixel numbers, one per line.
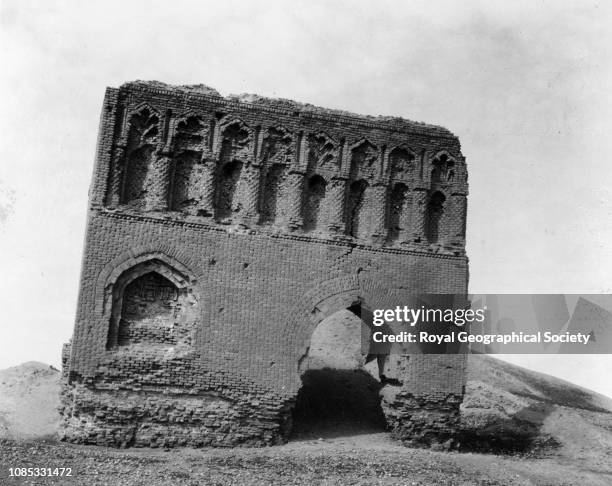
(555,434)
(372,459)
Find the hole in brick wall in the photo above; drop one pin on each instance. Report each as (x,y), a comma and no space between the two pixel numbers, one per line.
(312,198)
(433,216)
(339,394)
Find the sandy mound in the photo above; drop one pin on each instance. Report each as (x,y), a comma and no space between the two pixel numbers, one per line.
(29,397)
(512,408)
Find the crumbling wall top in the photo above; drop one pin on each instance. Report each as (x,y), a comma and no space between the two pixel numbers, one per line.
(291,107)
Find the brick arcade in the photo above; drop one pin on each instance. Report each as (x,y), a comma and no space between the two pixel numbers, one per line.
(224,234)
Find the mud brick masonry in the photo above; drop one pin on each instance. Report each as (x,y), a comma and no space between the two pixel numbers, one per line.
(222,231)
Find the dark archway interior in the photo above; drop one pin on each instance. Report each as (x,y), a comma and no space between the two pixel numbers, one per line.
(334,403)
(340,398)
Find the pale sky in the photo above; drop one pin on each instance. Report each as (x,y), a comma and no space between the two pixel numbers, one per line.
(525,85)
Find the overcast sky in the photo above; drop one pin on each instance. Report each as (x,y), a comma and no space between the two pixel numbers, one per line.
(525,85)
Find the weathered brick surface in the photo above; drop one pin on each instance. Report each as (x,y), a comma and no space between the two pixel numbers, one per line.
(220,232)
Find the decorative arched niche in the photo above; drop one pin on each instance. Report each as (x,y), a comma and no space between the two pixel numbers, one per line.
(399,205)
(153,305)
(401,164)
(227,200)
(271,200)
(276,157)
(433,217)
(142,140)
(443,170)
(356,209)
(313,196)
(188,167)
(234,157)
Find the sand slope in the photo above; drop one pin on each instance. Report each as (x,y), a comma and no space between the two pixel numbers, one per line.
(510,408)
(29,397)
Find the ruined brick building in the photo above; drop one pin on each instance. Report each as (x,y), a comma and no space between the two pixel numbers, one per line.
(222,233)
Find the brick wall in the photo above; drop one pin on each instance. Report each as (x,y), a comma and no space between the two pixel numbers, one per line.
(220,232)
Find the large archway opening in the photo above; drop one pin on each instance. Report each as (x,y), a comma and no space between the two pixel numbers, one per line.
(340,381)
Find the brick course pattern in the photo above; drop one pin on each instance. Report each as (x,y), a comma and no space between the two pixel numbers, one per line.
(221,231)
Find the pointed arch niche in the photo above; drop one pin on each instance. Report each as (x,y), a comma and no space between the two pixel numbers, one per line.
(189,143)
(443,170)
(232,171)
(153,305)
(142,138)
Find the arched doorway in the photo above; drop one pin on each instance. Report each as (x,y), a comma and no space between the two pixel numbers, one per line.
(340,381)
